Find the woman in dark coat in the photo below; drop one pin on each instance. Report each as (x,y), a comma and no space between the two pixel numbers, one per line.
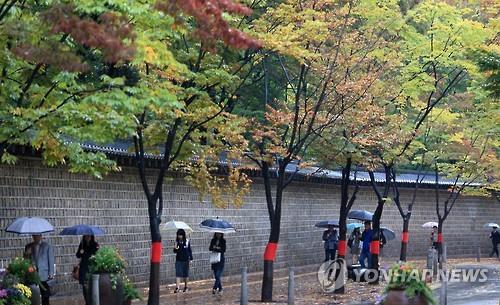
(183,255)
(218,245)
(88,247)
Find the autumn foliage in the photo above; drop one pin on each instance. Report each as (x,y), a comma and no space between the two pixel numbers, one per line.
(211,24)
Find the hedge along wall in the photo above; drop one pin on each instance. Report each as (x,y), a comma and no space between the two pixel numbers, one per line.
(117,204)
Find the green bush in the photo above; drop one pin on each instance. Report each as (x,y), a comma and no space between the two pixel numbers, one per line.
(129,291)
(24,270)
(107,260)
(406,277)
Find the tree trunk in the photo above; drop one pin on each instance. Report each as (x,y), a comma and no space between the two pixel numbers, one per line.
(344,210)
(440,243)
(375,244)
(405,238)
(269,257)
(156,251)
(275,221)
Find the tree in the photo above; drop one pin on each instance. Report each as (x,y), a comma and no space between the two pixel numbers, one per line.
(57,62)
(330,73)
(438,40)
(167,89)
(181,107)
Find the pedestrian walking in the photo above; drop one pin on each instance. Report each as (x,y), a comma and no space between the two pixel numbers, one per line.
(495,240)
(88,247)
(433,240)
(366,238)
(218,248)
(183,255)
(41,254)
(354,242)
(330,238)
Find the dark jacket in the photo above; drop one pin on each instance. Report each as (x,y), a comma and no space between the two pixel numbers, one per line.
(88,251)
(218,246)
(183,251)
(330,239)
(495,237)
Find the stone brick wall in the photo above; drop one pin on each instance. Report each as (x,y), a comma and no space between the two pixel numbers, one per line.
(117,204)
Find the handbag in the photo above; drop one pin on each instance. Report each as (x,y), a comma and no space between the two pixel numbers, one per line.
(76,272)
(215,258)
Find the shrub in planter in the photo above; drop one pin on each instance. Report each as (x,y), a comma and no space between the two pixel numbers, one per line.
(110,266)
(407,286)
(24,270)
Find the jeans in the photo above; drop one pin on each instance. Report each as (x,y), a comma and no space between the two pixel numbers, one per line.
(217,275)
(363,256)
(330,254)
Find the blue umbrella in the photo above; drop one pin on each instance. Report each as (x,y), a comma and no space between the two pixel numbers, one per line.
(82,230)
(217,226)
(327,223)
(360,215)
(352,226)
(30,225)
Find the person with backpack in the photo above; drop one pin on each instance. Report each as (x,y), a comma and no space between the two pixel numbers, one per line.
(354,243)
(183,255)
(330,238)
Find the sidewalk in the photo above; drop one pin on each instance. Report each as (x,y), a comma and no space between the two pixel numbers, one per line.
(307,289)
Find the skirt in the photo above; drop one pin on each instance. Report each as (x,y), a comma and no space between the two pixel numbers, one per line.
(181,269)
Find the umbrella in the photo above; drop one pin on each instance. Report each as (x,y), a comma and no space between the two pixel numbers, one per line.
(430,224)
(352,226)
(82,230)
(388,233)
(217,226)
(176,225)
(327,223)
(30,225)
(491,225)
(360,215)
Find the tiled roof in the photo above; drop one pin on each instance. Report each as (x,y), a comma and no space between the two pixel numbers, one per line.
(125,149)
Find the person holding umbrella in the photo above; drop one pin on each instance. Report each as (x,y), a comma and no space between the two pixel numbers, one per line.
(218,248)
(88,247)
(495,240)
(433,239)
(366,238)
(183,255)
(41,254)
(330,238)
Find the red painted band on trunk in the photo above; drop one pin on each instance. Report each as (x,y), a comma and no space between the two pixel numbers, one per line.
(440,238)
(270,253)
(405,237)
(342,247)
(156,249)
(375,247)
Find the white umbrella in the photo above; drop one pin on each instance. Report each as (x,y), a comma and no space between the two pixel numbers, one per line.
(430,224)
(176,225)
(491,225)
(30,225)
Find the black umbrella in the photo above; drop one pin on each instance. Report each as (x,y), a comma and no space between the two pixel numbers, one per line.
(360,215)
(327,223)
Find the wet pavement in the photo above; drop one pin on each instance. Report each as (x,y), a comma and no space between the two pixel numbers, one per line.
(308,290)
(476,292)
